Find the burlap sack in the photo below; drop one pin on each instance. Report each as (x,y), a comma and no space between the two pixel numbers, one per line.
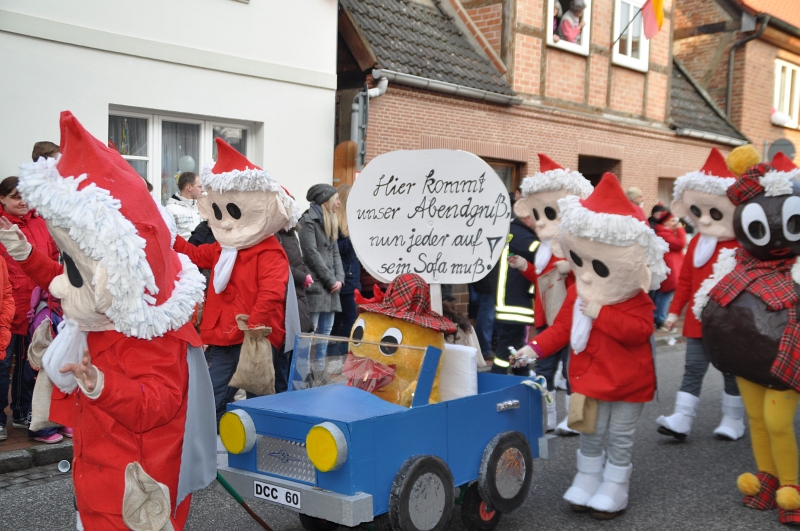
(582,416)
(42,392)
(145,503)
(255,372)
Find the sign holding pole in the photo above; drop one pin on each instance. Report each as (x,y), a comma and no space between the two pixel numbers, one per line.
(440,213)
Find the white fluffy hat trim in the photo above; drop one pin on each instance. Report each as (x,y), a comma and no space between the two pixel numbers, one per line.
(777,183)
(554,180)
(614,229)
(93,220)
(701,182)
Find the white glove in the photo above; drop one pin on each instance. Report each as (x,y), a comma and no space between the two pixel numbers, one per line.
(14,241)
(518,262)
(562,266)
(669,324)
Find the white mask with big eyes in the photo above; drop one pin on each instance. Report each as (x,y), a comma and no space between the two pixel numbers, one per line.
(755,224)
(543,207)
(790,216)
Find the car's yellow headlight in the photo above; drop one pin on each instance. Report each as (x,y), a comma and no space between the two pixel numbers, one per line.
(237,431)
(326,446)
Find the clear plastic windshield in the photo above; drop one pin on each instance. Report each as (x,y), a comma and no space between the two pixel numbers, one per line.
(388,370)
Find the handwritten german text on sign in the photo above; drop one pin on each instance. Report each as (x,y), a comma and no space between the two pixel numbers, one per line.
(439,213)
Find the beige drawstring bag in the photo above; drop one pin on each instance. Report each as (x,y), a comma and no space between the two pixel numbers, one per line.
(43,390)
(582,416)
(145,504)
(255,372)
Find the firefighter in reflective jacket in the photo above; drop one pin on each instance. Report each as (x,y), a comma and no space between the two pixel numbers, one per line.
(514,310)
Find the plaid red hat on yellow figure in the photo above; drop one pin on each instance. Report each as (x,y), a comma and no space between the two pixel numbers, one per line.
(399,319)
(750,323)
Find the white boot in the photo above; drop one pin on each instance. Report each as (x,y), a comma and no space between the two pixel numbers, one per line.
(558,380)
(562,428)
(732,425)
(612,496)
(587,480)
(679,424)
(552,419)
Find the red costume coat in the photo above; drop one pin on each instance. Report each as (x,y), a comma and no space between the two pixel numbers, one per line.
(35,230)
(139,416)
(6,308)
(617,364)
(539,317)
(257,288)
(689,282)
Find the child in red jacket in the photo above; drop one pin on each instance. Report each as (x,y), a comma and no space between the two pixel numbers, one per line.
(700,197)
(607,318)
(244,207)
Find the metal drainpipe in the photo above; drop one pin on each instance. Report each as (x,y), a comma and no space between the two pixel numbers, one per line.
(358,114)
(736,45)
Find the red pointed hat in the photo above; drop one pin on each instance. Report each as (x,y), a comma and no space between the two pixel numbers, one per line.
(782,163)
(553,177)
(608,216)
(547,164)
(716,166)
(232,172)
(93,193)
(610,198)
(408,298)
(713,178)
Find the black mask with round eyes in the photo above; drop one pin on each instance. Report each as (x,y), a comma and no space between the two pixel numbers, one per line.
(73,274)
(575,258)
(217,211)
(769,227)
(233,210)
(535,214)
(600,268)
(551,213)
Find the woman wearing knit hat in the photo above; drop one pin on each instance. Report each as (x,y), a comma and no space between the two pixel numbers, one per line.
(669,228)
(319,232)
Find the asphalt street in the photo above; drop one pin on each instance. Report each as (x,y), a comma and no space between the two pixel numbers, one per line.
(675,485)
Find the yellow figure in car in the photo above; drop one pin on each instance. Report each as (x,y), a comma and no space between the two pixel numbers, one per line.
(401,317)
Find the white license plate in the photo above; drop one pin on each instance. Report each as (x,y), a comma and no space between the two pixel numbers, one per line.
(273,493)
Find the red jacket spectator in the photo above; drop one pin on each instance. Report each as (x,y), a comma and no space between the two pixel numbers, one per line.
(676,239)
(6,308)
(35,230)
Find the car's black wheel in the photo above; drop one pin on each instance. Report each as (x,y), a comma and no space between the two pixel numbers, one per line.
(310,523)
(476,515)
(505,474)
(421,498)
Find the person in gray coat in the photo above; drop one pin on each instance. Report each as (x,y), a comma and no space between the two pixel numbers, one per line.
(318,232)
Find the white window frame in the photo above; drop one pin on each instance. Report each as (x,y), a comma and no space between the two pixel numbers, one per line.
(586,37)
(643,63)
(793,98)
(154,147)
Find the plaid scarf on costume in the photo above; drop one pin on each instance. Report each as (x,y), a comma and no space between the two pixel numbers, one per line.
(772,283)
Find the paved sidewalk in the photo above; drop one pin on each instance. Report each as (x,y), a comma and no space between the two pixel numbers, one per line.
(18,452)
(30,477)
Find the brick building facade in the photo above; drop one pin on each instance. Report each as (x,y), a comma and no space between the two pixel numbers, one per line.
(765,72)
(580,103)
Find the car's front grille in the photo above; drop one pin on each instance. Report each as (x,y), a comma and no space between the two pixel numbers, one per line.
(285,458)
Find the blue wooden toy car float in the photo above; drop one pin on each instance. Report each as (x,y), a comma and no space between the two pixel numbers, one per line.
(339,455)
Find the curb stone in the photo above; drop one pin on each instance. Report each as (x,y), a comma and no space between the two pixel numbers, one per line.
(34,456)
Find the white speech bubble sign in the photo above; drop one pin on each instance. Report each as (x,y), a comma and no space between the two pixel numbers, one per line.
(440,213)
